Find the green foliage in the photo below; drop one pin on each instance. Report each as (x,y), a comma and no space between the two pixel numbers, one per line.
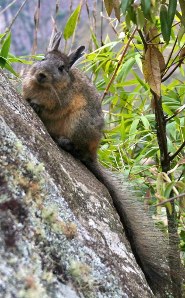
(72,23)
(130,142)
(4,53)
(6,58)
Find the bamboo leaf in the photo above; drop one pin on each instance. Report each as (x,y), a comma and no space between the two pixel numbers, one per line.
(116,6)
(145,122)
(109,6)
(124,5)
(72,23)
(95,41)
(169,207)
(151,70)
(133,129)
(160,184)
(154,35)
(126,67)
(168,190)
(145,5)
(140,18)
(171,11)
(132,13)
(160,57)
(165,28)
(5,64)
(6,46)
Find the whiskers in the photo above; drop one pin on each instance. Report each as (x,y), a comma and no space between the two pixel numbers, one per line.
(56,94)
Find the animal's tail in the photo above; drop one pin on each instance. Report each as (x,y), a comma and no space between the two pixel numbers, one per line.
(147,242)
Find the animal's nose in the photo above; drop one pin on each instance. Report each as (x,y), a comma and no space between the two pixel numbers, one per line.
(41,77)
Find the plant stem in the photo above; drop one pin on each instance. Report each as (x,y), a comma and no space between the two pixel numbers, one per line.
(171,199)
(101,24)
(8,6)
(119,64)
(172,71)
(173,254)
(171,53)
(177,152)
(15,17)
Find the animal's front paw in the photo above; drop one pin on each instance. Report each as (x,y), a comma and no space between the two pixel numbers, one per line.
(65,144)
(36,107)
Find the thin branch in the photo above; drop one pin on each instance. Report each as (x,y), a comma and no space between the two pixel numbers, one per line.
(101,25)
(107,18)
(8,6)
(36,22)
(170,200)
(161,33)
(18,12)
(172,63)
(171,53)
(119,63)
(94,19)
(143,39)
(172,71)
(177,152)
(178,111)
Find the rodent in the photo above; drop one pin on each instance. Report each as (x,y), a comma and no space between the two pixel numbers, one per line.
(70,107)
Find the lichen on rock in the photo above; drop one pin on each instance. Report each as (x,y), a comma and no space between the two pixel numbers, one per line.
(60,235)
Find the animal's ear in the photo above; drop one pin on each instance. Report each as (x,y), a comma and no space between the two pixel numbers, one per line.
(76,55)
(54,41)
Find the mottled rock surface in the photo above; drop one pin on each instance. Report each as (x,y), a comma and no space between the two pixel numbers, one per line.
(60,236)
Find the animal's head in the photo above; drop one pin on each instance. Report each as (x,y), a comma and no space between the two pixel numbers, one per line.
(54,68)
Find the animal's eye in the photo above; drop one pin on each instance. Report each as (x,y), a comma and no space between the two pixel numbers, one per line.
(61,68)
(43,59)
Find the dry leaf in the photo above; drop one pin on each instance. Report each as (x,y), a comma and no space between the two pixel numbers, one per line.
(151,70)
(108,6)
(154,35)
(116,5)
(182,53)
(160,57)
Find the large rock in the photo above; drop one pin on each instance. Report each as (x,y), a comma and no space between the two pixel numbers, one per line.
(60,235)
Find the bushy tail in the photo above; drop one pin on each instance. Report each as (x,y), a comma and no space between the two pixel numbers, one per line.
(147,242)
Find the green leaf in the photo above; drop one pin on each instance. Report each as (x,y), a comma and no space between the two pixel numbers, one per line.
(145,5)
(140,18)
(133,129)
(94,39)
(145,122)
(124,5)
(132,13)
(2,35)
(5,64)
(171,11)
(6,46)
(71,23)
(168,190)
(182,234)
(125,68)
(141,81)
(165,28)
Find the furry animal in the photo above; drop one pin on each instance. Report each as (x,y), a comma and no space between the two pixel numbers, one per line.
(70,108)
